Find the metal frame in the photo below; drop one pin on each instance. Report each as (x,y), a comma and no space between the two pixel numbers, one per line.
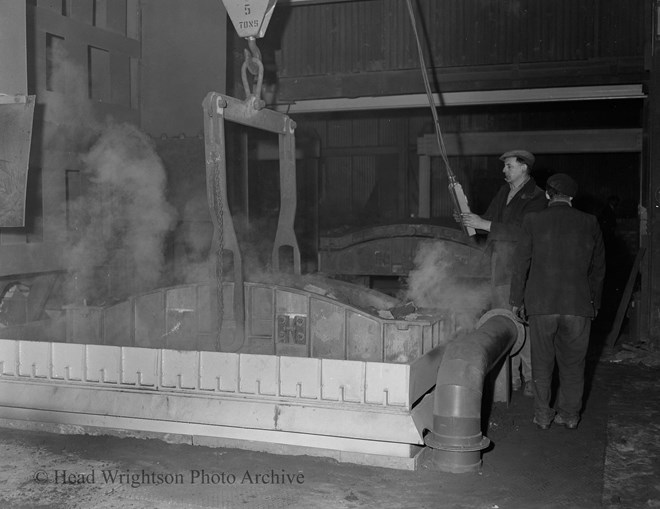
(217,108)
(469,98)
(355,411)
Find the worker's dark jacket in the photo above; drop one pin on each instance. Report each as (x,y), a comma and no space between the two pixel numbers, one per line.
(506,226)
(559,263)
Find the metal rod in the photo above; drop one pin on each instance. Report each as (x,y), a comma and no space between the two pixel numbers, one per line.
(225,239)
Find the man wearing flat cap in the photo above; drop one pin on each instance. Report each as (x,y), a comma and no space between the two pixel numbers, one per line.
(503,222)
(558,278)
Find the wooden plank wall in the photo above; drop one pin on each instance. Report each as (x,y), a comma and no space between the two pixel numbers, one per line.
(366,36)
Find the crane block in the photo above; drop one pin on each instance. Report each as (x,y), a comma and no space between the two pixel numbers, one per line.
(250,17)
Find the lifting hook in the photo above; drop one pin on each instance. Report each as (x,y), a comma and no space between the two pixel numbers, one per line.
(253,64)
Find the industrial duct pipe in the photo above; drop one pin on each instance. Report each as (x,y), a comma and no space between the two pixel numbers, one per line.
(456,440)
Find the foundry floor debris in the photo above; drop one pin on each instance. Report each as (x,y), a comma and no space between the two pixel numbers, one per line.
(634,352)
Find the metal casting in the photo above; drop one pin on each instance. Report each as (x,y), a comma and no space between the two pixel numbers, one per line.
(279,320)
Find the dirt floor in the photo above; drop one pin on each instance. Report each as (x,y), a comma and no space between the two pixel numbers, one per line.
(612,460)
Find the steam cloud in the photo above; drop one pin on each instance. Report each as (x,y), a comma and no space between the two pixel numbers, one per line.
(77,125)
(122,220)
(116,230)
(255,240)
(439,281)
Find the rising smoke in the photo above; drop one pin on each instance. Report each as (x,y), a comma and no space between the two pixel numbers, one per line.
(116,228)
(77,124)
(122,220)
(441,281)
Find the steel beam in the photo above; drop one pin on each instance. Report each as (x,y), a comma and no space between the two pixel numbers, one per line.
(561,141)
(470,98)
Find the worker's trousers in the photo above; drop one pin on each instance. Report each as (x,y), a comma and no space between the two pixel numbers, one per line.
(564,338)
(522,361)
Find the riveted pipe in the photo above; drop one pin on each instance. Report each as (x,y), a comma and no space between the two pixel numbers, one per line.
(456,440)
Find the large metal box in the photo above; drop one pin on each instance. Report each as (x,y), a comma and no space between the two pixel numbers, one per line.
(279,320)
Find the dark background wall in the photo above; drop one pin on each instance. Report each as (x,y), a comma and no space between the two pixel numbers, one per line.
(13,78)
(183,59)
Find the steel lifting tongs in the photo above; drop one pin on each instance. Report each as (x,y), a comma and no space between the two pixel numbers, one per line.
(250,112)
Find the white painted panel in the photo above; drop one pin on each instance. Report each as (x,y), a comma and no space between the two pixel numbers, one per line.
(8,357)
(34,359)
(68,361)
(300,377)
(102,363)
(139,366)
(218,371)
(387,384)
(179,369)
(258,374)
(342,380)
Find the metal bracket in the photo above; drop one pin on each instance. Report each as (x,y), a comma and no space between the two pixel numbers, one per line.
(292,329)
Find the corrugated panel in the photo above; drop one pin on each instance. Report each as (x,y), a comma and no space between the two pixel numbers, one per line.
(363,181)
(340,134)
(392,131)
(365,132)
(615,20)
(336,201)
(362,36)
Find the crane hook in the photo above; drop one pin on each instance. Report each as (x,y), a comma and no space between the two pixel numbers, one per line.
(253,64)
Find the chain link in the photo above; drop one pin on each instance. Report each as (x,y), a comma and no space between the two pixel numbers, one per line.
(219,243)
(255,66)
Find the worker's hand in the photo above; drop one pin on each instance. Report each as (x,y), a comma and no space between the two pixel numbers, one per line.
(457,217)
(520,313)
(474,221)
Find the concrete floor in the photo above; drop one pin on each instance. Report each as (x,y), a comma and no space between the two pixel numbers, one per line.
(612,460)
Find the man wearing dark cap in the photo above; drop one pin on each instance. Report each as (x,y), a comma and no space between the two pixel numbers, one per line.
(558,278)
(503,221)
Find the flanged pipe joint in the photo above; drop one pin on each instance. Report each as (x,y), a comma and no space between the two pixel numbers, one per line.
(456,441)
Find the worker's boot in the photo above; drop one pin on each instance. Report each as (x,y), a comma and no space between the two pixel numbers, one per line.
(567,422)
(541,424)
